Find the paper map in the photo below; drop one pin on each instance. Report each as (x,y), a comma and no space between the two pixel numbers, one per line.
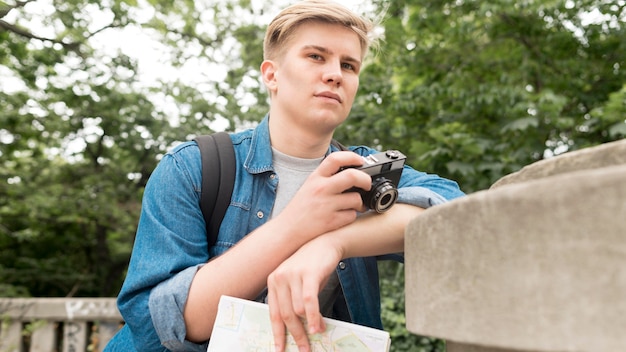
(244,326)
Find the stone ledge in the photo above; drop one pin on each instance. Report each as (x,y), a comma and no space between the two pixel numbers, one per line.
(608,154)
(538,265)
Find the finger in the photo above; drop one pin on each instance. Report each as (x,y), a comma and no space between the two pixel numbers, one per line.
(349,200)
(338,160)
(300,337)
(297,304)
(340,218)
(292,310)
(293,323)
(314,320)
(349,178)
(285,316)
(339,182)
(278,328)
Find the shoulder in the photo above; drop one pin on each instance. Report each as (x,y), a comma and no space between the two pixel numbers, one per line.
(185,149)
(242,137)
(183,160)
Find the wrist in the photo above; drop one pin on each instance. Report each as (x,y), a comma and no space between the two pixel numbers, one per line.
(333,241)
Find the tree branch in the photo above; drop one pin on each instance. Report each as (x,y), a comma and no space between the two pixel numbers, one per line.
(73,46)
(202,41)
(5,8)
(532,48)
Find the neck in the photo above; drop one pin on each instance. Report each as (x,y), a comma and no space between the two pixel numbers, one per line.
(298,141)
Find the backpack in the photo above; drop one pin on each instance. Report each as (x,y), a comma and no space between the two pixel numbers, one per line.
(219,163)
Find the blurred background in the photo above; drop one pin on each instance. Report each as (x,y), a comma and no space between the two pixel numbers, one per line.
(93,93)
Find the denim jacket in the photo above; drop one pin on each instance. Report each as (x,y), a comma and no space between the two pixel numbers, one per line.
(171,243)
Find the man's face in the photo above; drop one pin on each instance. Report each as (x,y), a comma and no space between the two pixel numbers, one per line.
(316,79)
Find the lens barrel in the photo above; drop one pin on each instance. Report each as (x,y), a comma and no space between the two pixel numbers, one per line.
(381,196)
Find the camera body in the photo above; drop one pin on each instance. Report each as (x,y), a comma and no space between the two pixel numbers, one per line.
(385,169)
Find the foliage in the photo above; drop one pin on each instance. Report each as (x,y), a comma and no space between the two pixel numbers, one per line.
(82,128)
(394,319)
(470,90)
(474,90)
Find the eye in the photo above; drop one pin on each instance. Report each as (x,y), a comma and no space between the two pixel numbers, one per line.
(316,57)
(348,66)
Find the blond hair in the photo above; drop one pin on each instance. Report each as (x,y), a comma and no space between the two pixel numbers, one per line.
(284,25)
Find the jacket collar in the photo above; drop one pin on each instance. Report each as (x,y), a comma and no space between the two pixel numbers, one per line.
(259,158)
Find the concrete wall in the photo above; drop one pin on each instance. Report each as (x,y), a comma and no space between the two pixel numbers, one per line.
(536,263)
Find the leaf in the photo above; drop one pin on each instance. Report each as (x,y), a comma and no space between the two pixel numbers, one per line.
(521,124)
(460,167)
(618,130)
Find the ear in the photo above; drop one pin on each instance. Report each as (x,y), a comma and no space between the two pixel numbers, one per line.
(268,72)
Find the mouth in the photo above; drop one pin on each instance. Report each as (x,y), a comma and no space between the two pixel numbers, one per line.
(329,95)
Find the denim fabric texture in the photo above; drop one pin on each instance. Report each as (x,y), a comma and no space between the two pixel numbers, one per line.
(171,243)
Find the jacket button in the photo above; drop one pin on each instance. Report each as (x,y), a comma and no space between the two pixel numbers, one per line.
(342,265)
(272,176)
(259,215)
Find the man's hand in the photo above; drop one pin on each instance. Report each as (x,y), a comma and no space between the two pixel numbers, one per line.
(293,290)
(294,285)
(321,205)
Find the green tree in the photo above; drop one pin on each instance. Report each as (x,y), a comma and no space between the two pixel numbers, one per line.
(473,90)
(82,128)
(470,90)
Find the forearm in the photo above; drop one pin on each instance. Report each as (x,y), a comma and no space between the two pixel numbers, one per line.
(230,274)
(374,234)
(268,247)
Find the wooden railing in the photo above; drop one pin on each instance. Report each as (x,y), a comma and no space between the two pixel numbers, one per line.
(57,324)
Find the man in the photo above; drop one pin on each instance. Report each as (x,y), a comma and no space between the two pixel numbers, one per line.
(292,236)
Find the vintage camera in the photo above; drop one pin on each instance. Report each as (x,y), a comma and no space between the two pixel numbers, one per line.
(385,168)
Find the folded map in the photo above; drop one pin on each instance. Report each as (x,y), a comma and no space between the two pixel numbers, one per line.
(244,326)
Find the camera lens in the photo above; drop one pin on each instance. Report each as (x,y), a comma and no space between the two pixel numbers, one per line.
(386,199)
(382,195)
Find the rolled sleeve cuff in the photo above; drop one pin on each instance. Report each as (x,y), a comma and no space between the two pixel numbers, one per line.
(166,304)
(419,196)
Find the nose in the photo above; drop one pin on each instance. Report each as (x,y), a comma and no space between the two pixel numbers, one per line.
(333,74)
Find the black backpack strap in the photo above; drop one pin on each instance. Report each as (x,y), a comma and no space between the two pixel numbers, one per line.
(218,180)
